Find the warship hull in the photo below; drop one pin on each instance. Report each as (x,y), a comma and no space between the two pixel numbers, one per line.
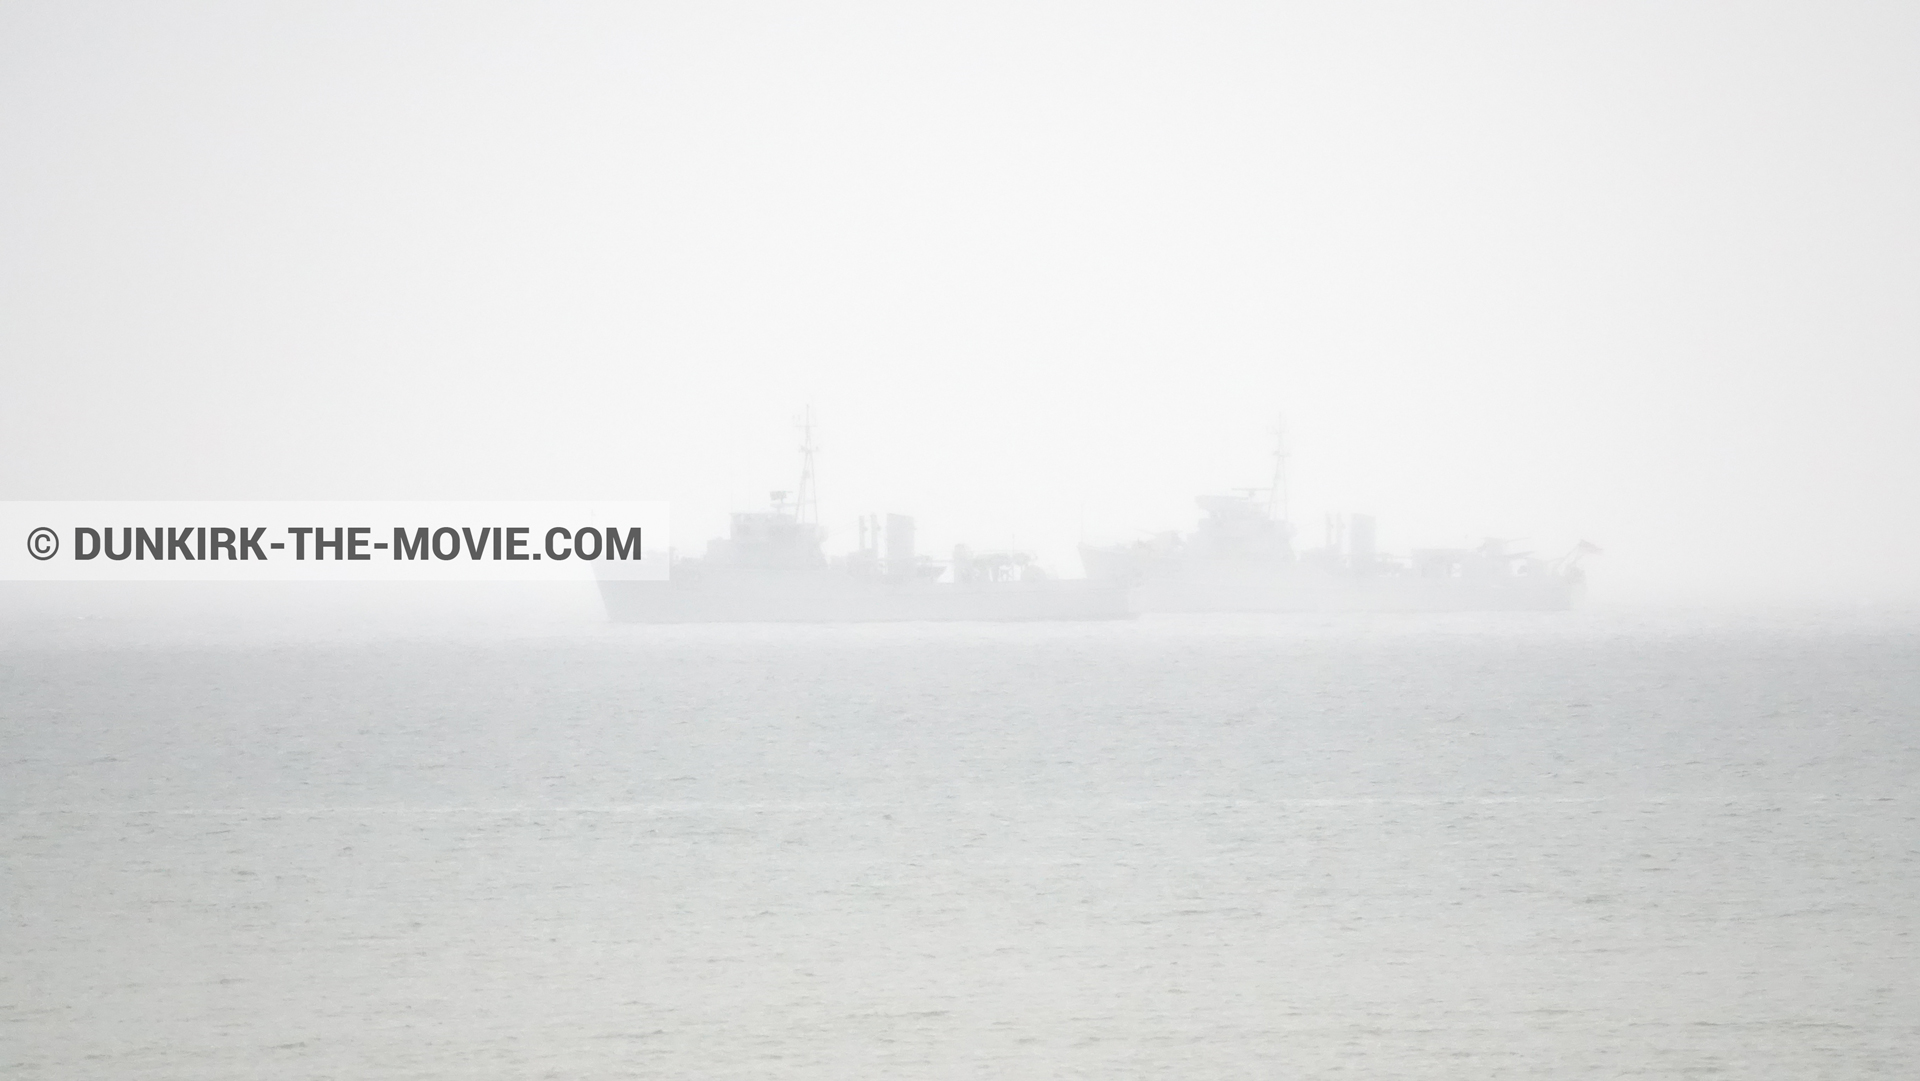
(1174,574)
(1264,594)
(745,597)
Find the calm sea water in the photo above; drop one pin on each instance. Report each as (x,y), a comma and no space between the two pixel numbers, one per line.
(1592,845)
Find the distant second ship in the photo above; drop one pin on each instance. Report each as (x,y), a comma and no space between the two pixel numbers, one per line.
(1241,559)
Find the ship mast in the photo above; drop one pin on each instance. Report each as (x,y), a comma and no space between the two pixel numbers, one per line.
(806,509)
(1277,492)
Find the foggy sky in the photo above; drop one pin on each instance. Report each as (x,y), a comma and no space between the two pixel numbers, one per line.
(1644,274)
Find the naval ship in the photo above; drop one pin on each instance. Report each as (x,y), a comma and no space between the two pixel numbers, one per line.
(1241,558)
(771,567)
